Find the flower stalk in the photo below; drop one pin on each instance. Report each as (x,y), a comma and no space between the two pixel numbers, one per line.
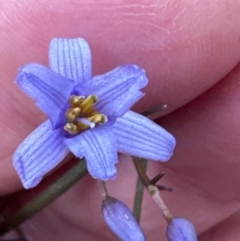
(103,189)
(138,199)
(154,191)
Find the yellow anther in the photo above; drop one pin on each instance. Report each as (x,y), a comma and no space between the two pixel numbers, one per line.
(88,103)
(98,119)
(76,127)
(73,113)
(75,100)
(71,128)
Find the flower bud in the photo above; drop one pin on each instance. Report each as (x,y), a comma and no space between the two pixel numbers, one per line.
(121,221)
(180,229)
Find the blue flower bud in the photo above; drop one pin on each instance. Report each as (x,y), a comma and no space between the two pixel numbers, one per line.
(180,229)
(121,221)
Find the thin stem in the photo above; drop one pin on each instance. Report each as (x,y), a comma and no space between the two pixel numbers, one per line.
(46,197)
(141,173)
(157,178)
(154,110)
(104,191)
(154,191)
(164,188)
(139,193)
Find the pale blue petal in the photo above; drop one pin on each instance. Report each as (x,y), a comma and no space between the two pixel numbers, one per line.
(71,58)
(121,221)
(38,154)
(117,90)
(49,89)
(98,146)
(180,229)
(139,136)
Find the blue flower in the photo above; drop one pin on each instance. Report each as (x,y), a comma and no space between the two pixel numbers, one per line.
(180,229)
(121,221)
(88,116)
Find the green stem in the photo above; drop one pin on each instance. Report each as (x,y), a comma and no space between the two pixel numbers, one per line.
(139,190)
(141,172)
(46,197)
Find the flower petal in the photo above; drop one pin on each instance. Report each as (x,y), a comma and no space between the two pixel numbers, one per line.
(71,58)
(38,154)
(98,146)
(117,90)
(50,90)
(180,229)
(139,136)
(121,221)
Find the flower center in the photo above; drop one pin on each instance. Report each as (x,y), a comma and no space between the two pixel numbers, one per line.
(81,115)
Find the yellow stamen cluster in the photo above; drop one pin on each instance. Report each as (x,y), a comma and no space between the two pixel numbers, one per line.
(81,115)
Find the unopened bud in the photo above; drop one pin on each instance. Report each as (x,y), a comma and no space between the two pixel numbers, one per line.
(121,221)
(180,229)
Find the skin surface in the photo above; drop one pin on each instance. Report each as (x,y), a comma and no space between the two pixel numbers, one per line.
(191,51)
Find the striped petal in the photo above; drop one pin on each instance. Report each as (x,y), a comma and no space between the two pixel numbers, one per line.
(117,90)
(38,154)
(49,89)
(71,58)
(180,229)
(121,221)
(137,135)
(98,146)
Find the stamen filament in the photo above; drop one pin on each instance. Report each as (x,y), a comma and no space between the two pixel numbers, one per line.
(82,126)
(85,121)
